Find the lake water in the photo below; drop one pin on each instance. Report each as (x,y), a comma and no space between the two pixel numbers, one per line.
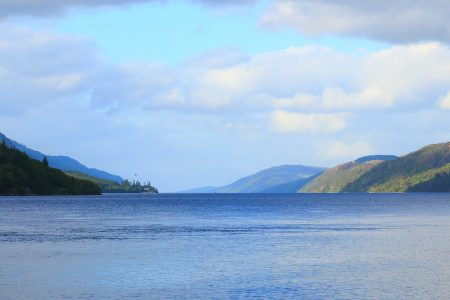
(343,246)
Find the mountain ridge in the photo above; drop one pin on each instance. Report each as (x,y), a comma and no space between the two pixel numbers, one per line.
(22,175)
(407,172)
(291,187)
(263,180)
(64,163)
(335,179)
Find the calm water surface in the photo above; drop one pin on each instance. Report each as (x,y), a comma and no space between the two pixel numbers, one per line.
(394,246)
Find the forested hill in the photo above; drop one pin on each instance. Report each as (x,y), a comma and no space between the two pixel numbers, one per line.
(21,175)
(425,170)
(63,163)
(335,179)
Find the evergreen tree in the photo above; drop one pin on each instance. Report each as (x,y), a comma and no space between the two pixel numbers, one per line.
(45,161)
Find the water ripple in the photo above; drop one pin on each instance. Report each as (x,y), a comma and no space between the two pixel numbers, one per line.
(150,231)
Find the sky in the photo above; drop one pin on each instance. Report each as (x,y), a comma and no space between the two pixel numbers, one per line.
(189,93)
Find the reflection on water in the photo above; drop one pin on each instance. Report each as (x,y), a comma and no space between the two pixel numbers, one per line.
(226,246)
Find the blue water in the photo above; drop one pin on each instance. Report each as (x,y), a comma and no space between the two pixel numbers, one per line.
(345,246)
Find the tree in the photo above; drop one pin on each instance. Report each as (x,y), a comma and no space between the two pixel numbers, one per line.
(45,161)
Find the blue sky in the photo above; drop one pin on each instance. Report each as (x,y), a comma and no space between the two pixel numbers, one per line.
(173,32)
(199,92)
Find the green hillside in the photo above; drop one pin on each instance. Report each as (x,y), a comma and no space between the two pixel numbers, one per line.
(439,183)
(335,179)
(21,175)
(425,170)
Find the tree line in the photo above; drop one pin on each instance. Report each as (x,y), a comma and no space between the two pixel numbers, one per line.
(21,175)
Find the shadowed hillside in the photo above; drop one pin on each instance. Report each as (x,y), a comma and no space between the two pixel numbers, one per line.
(21,175)
(63,163)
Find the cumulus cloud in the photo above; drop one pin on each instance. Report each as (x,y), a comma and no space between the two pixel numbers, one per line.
(51,7)
(305,80)
(257,81)
(315,79)
(288,122)
(37,68)
(399,21)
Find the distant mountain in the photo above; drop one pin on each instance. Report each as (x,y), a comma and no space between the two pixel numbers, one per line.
(21,175)
(291,187)
(425,170)
(335,179)
(268,178)
(63,163)
(264,180)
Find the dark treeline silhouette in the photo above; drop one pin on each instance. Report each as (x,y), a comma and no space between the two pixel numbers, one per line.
(21,175)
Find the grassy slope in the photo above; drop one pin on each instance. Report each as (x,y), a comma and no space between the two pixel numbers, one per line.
(406,172)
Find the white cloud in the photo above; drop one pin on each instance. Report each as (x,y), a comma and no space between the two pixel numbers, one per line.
(39,67)
(308,80)
(288,122)
(444,102)
(304,80)
(399,21)
(315,79)
(336,98)
(344,150)
(257,81)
